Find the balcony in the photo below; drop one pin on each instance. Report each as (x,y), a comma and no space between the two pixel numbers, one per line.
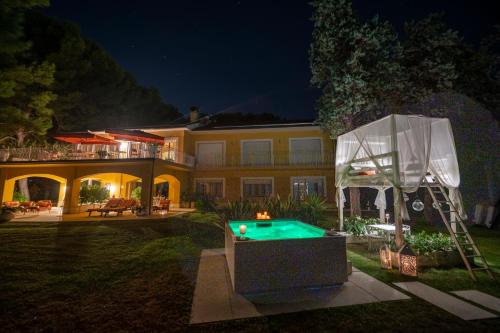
(91,152)
(282,159)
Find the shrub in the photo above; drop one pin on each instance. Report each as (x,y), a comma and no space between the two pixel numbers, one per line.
(425,243)
(356,225)
(205,204)
(18,196)
(312,209)
(93,194)
(136,193)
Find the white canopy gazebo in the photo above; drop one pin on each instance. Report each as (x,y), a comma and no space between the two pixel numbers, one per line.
(398,151)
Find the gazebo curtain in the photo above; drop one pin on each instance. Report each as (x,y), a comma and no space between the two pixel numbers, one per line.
(401,150)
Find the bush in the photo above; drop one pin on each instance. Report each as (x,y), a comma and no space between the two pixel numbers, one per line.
(205,204)
(93,194)
(425,243)
(312,209)
(136,193)
(356,225)
(18,196)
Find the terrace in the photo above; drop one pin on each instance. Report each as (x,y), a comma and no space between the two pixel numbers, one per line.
(113,145)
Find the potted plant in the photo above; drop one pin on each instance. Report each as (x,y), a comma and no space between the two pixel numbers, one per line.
(7,213)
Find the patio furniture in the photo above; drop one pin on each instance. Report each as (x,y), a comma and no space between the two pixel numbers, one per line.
(162,205)
(386,229)
(44,205)
(111,204)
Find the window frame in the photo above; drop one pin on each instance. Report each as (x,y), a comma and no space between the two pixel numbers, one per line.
(271,141)
(325,191)
(196,150)
(212,179)
(242,181)
(290,153)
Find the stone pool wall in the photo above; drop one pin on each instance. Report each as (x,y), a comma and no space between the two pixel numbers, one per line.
(271,265)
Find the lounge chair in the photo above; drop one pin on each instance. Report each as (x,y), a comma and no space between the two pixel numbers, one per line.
(112,204)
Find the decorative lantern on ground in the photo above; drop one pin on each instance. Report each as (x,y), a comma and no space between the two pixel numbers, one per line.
(407,261)
(385,257)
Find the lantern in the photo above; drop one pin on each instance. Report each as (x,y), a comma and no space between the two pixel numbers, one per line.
(407,261)
(243,230)
(417,205)
(385,257)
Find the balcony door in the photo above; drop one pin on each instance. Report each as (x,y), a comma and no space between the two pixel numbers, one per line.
(306,151)
(256,152)
(210,153)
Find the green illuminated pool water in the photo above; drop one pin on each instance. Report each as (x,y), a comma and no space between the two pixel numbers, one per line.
(279,229)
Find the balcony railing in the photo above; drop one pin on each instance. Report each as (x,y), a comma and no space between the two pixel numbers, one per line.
(267,160)
(65,153)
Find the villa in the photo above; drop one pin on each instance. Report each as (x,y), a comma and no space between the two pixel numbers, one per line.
(173,161)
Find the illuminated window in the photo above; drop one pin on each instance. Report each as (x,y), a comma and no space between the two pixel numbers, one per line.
(304,186)
(170,148)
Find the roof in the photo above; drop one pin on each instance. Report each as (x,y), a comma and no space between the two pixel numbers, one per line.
(281,124)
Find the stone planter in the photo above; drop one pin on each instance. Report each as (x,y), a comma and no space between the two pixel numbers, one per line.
(433,260)
(6,217)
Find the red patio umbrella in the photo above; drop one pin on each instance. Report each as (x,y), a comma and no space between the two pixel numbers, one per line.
(84,138)
(136,136)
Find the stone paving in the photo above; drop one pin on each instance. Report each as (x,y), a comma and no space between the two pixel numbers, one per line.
(445,301)
(480,298)
(214,299)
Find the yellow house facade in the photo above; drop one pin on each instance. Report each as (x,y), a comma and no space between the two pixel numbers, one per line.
(223,162)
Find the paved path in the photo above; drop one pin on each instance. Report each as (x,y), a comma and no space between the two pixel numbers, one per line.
(480,298)
(214,299)
(445,301)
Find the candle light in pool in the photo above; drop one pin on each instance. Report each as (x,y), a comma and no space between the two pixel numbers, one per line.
(243,229)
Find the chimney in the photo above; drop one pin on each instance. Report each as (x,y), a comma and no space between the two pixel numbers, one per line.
(194,114)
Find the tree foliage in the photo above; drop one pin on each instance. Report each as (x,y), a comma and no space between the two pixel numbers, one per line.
(356,65)
(25,84)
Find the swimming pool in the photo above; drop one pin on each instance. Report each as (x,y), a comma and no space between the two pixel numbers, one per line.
(276,229)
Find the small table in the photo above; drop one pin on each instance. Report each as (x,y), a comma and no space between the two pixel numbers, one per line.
(389,229)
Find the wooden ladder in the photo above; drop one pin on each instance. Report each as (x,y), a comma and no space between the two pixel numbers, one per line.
(471,256)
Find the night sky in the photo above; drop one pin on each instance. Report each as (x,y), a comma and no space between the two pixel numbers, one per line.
(249,56)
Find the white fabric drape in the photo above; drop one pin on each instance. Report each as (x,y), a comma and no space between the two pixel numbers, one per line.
(401,150)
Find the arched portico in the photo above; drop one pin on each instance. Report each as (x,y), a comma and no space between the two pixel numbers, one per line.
(9,186)
(174,188)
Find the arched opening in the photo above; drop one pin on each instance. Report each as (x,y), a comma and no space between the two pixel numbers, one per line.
(167,187)
(118,185)
(43,190)
(93,190)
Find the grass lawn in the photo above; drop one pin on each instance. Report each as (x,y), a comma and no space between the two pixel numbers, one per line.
(139,276)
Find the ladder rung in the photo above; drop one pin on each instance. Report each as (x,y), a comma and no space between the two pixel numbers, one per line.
(473,255)
(480,269)
(449,211)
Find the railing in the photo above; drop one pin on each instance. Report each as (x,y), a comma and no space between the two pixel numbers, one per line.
(267,160)
(69,152)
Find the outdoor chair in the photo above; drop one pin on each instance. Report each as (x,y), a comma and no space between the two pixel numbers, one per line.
(44,205)
(112,204)
(162,205)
